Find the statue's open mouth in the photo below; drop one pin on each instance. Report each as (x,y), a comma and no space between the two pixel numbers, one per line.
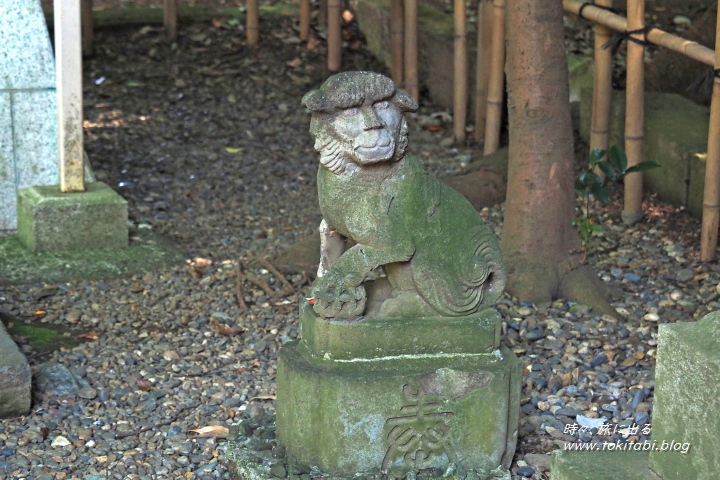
(377,153)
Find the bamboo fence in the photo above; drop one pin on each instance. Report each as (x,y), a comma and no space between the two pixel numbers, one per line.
(600,118)
(396,40)
(634,119)
(335,8)
(410,57)
(482,65)
(496,82)
(460,76)
(711,195)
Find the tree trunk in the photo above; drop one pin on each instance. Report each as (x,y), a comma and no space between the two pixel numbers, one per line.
(539,242)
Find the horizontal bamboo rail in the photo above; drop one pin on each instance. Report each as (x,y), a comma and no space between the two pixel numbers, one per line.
(659,37)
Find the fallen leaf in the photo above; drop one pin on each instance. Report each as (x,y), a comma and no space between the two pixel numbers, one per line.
(44,432)
(216,431)
(435,128)
(294,63)
(89,336)
(133,83)
(233,150)
(223,330)
(639,355)
(216,22)
(40,312)
(143,385)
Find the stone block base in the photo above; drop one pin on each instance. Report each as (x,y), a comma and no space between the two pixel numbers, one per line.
(51,220)
(404,413)
(16,377)
(601,465)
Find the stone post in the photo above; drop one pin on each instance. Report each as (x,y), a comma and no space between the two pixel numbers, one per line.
(68,52)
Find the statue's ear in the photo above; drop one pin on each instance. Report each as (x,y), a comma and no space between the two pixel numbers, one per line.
(404,101)
(313,100)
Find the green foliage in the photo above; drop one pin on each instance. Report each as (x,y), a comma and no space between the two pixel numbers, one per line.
(613,165)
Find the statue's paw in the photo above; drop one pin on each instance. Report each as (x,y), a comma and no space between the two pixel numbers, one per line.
(339,302)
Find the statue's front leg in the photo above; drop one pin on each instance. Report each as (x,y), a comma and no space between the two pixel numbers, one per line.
(340,292)
(332,246)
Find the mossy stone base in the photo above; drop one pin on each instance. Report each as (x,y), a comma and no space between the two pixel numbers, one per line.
(50,220)
(687,399)
(601,465)
(400,414)
(381,337)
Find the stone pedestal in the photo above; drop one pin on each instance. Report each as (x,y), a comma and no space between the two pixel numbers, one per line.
(400,395)
(51,220)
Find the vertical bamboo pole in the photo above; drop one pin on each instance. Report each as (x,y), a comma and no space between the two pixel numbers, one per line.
(68,60)
(86,19)
(305,20)
(602,86)
(497,79)
(634,112)
(711,196)
(252,22)
(482,66)
(396,41)
(334,35)
(460,78)
(410,57)
(170,19)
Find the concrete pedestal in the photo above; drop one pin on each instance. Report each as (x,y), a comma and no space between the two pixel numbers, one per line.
(435,397)
(51,220)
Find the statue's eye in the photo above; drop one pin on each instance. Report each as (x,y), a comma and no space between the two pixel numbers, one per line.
(383,104)
(349,112)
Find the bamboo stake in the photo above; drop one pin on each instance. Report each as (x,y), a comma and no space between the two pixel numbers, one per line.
(482,66)
(334,35)
(252,23)
(497,80)
(634,112)
(602,87)
(672,42)
(68,80)
(460,74)
(170,19)
(304,20)
(86,19)
(410,57)
(711,196)
(396,41)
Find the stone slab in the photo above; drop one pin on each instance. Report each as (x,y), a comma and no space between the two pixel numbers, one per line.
(15,388)
(380,337)
(676,132)
(601,465)
(687,399)
(403,414)
(50,220)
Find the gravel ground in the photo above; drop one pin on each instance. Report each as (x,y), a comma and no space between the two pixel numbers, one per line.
(206,141)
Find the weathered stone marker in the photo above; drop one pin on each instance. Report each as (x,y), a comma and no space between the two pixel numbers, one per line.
(404,374)
(685,422)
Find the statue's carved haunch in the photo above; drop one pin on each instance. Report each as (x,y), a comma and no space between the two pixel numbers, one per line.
(439,257)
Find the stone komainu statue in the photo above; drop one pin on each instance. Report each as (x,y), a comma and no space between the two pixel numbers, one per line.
(439,257)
